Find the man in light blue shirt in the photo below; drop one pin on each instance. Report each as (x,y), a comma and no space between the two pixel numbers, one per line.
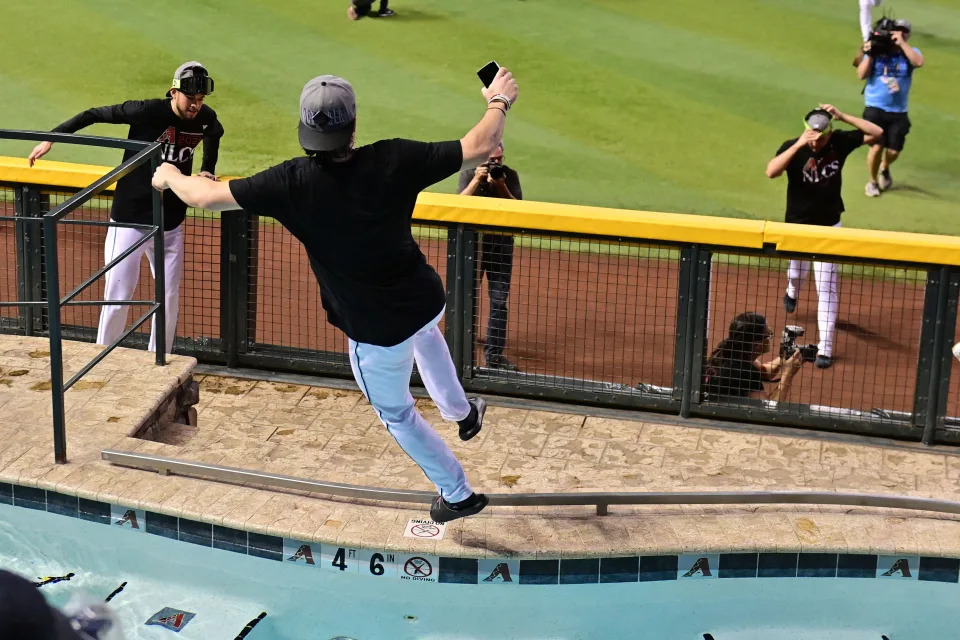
(887,66)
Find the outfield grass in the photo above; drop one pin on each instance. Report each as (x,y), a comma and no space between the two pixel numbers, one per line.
(672,106)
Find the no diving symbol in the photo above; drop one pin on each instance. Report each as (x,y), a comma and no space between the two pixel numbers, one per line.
(418,567)
(425,530)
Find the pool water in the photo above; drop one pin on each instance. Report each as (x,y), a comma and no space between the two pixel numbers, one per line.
(227,590)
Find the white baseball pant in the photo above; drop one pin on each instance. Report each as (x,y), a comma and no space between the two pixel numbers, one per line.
(866,17)
(121,281)
(828,297)
(383,374)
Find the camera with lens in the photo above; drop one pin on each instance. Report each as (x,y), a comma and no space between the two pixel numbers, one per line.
(788,344)
(496,170)
(881,40)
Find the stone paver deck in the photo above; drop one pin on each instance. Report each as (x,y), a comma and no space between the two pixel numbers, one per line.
(332,434)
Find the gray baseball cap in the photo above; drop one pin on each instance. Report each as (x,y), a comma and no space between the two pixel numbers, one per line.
(818,120)
(328,107)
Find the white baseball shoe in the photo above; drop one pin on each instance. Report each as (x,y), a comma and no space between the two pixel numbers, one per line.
(872,190)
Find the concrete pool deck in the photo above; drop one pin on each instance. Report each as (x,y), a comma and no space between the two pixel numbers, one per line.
(331,433)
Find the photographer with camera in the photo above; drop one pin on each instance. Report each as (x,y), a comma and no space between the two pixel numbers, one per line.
(814,167)
(493,179)
(734,369)
(887,66)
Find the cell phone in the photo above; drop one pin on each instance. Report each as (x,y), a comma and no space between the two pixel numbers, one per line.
(488,73)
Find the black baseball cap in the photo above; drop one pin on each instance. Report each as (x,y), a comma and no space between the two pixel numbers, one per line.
(24,612)
(328,109)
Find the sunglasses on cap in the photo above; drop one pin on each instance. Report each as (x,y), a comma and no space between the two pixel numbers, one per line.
(194,85)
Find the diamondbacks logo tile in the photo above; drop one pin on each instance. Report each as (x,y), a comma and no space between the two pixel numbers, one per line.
(698,566)
(900,567)
(170,618)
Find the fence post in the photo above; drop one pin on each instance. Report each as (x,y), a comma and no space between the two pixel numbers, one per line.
(29,246)
(687,325)
(940,361)
(248,273)
(454,319)
(467,248)
(232,224)
(934,294)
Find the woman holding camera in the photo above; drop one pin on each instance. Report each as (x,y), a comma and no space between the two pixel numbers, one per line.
(734,368)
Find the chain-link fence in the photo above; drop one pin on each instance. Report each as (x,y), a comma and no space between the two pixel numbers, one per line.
(589,319)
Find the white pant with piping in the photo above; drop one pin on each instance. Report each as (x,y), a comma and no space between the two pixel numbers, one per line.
(866,17)
(121,281)
(383,374)
(828,297)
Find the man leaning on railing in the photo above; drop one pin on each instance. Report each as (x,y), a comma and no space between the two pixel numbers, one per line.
(180,121)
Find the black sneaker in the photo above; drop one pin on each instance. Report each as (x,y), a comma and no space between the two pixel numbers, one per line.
(823,362)
(443,511)
(471,425)
(885,181)
(386,13)
(500,362)
(789,304)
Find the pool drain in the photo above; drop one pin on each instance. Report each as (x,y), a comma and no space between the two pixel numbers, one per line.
(410,618)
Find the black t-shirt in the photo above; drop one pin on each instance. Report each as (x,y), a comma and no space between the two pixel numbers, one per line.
(815,180)
(155,121)
(353,219)
(487,190)
(733,378)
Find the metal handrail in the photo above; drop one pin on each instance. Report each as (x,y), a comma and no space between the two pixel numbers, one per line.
(146,152)
(600,500)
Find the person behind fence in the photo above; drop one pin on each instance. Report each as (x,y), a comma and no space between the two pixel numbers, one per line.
(814,163)
(351,208)
(734,369)
(181,121)
(887,66)
(493,179)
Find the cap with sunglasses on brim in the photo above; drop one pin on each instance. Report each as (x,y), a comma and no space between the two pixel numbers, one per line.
(192,78)
(819,120)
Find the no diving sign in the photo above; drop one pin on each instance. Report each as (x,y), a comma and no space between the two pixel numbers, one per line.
(425,529)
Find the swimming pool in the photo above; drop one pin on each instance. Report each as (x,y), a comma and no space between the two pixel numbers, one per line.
(365,596)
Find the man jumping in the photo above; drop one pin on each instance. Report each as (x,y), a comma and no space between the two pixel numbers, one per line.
(351,209)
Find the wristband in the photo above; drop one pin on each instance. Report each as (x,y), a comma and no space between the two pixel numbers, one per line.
(501,98)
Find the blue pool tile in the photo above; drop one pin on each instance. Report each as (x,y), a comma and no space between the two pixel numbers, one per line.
(857,565)
(738,565)
(264,546)
(624,569)
(6,493)
(229,539)
(63,504)
(657,568)
(30,497)
(539,571)
(777,565)
(196,532)
(160,524)
(817,565)
(94,510)
(580,571)
(458,570)
(939,569)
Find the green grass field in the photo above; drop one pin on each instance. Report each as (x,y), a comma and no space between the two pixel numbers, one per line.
(671,106)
